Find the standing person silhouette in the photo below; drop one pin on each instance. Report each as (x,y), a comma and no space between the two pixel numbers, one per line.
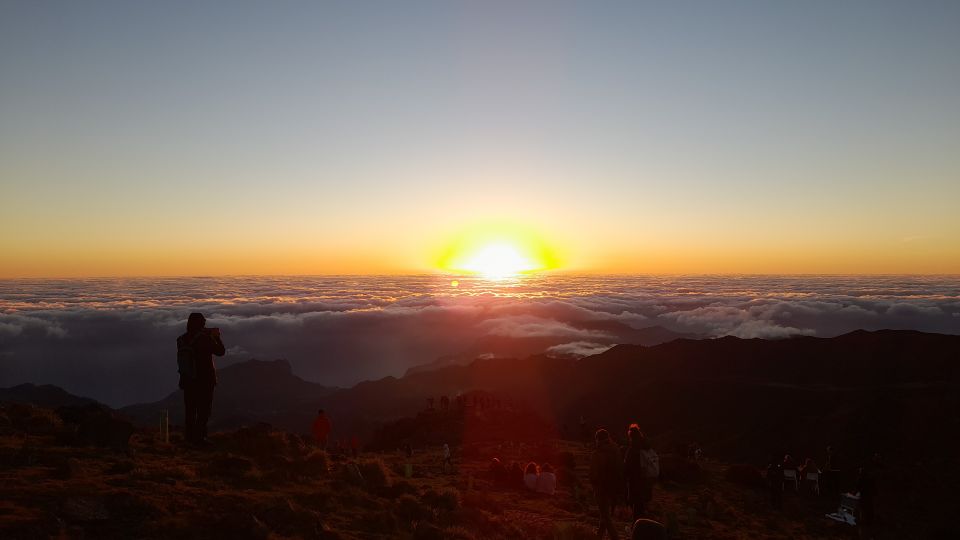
(606,476)
(198,375)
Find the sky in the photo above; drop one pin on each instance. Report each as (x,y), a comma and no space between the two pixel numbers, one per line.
(224,138)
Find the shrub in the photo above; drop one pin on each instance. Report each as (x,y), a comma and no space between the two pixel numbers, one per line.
(427,531)
(411,510)
(229,465)
(402,487)
(457,533)
(316,463)
(376,475)
(449,500)
(431,498)
(479,500)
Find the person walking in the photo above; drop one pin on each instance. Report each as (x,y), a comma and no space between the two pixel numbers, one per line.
(198,375)
(447,458)
(606,476)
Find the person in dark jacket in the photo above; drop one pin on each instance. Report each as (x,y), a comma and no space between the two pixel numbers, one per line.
(198,385)
(637,470)
(775,482)
(606,476)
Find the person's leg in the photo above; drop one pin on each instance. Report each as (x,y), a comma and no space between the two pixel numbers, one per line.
(204,406)
(190,413)
(605,505)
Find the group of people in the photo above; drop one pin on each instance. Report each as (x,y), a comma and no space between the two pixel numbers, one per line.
(808,474)
(533,477)
(622,475)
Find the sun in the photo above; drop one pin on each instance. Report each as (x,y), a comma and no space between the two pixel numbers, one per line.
(499,261)
(497,252)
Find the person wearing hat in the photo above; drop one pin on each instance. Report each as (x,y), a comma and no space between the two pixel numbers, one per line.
(198,375)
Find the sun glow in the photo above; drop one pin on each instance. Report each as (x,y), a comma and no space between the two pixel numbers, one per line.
(498,261)
(497,252)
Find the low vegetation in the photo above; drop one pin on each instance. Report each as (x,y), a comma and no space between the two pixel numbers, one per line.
(260,483)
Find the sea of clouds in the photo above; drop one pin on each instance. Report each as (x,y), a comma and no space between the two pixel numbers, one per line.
(114,339)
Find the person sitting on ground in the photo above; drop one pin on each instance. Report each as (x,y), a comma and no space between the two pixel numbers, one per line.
(530,476)
(606,476)
(321,428)
(547,481)
(515,474)
(648,529)
(498,473)
(641,467)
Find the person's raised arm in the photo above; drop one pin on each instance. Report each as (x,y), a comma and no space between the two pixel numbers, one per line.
(218,348)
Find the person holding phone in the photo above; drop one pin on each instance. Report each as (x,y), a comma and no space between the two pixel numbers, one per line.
(198,375)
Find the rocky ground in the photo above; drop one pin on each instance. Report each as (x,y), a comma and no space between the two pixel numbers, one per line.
(261,483)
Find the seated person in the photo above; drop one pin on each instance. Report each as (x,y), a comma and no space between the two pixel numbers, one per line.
(530,476)
(547,481)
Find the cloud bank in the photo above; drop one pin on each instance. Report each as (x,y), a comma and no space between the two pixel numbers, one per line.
(113,339)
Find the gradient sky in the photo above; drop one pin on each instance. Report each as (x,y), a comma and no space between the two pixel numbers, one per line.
(166,138)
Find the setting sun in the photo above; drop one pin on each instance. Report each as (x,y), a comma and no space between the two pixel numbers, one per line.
(497,261)
(497,252)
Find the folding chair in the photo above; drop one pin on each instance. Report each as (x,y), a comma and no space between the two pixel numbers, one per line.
(813,478)
(790,475)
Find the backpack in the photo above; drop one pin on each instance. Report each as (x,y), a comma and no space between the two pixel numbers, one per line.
(187,357)
(650,464)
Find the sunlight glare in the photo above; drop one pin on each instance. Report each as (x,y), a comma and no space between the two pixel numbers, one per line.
(497,252)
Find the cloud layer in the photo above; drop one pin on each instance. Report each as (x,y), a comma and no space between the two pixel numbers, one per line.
(113,339)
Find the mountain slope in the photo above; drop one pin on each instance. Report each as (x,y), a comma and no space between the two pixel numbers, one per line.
(247,393)
(45,395)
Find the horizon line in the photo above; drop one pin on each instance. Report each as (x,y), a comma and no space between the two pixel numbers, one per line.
(439,273)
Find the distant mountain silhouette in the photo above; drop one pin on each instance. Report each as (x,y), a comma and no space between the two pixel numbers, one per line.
(711,390)
(247,393)
(45,395)
(494,346)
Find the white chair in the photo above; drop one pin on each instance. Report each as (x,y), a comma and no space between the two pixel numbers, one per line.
(790,475)
(813,478)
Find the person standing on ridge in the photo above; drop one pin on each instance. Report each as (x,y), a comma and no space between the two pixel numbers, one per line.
(606,475)
(321,428)
(198,375)
(641,467)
